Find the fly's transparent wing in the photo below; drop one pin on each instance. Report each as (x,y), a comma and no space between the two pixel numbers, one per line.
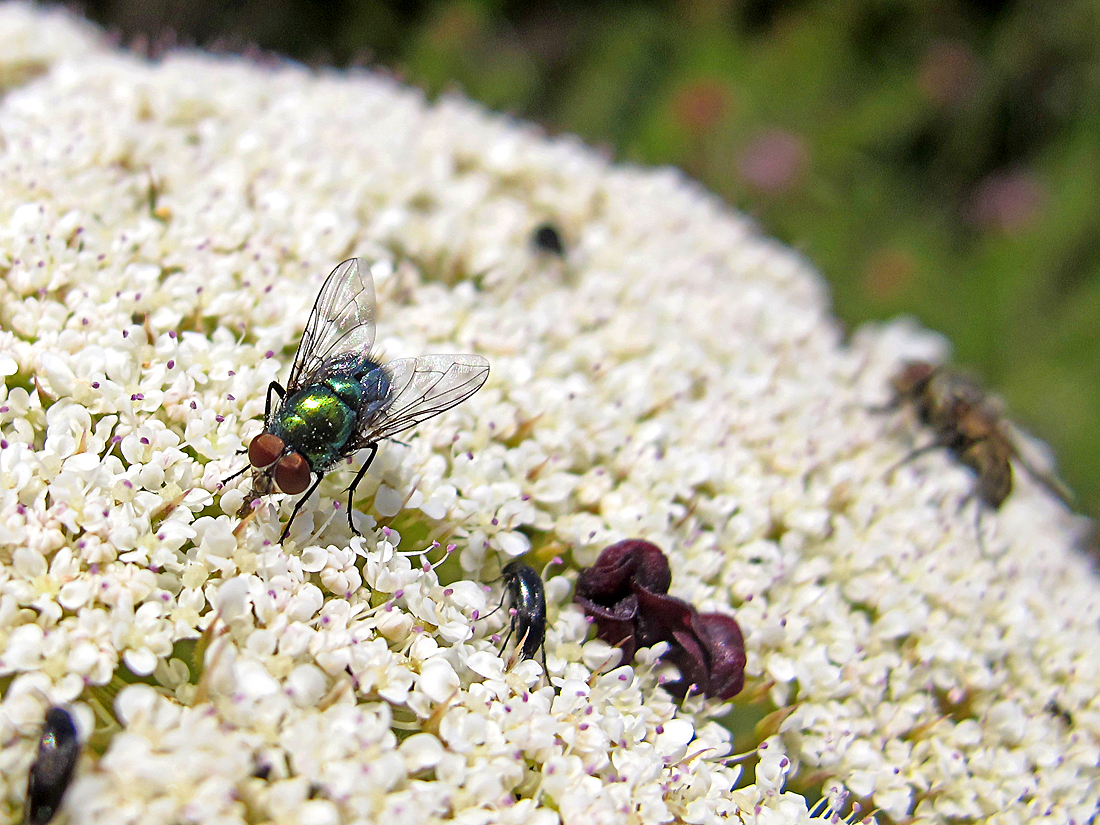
(422,388)
(1037,460)
(342,322)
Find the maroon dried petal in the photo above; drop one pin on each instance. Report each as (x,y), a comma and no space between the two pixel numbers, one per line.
(626,594)
(624,610)
(619,567)
(653,572)
(660,616)
(614,625)
(686,652)
(710,656)
(725,648)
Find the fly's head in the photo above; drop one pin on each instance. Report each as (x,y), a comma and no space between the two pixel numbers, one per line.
(276,466)
(915,384)
(912,380)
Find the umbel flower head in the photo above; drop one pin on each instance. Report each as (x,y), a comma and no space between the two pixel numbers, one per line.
(669,375)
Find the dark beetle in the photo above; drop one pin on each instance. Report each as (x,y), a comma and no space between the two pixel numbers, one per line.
(340,399)
(527,600)
(52,769)
(547,238)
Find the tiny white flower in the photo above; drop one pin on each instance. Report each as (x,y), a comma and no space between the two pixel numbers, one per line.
(231,600)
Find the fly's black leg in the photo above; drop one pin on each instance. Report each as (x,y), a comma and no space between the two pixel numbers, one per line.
(276,387)
(881,409)
(298,507)
(978,522)
(917,453)
(359,477)
(239,472)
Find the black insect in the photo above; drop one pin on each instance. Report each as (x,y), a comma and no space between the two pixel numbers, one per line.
(52,769)
(547,238)
(527,602)
(340,399)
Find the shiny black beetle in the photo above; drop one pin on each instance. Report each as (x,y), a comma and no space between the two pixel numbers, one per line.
(52,769)
(527,603)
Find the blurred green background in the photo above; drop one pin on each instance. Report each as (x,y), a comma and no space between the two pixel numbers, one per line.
(940,159)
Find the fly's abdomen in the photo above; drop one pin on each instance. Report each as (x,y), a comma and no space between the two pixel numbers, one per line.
(317,423)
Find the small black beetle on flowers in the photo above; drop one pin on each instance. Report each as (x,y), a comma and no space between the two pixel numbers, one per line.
(52,769)
(547,238)
(527,598)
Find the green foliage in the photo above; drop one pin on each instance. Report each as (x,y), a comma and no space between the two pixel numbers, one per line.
(937,159)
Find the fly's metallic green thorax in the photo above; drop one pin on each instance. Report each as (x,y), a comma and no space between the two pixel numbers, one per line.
(315,423)
(321,419)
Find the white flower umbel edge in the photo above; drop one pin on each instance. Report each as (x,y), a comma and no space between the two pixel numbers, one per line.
(164,227)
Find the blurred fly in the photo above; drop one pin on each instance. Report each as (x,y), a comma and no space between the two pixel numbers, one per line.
(339,399)
(968,423)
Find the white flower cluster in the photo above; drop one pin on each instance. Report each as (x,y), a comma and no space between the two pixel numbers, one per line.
(164,228)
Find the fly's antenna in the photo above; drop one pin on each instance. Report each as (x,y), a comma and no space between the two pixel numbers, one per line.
(500,574)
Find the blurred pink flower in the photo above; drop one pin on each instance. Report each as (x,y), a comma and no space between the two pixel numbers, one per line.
(773,161)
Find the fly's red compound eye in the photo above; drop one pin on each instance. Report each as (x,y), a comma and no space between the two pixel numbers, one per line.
(292,474)
(265,450)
